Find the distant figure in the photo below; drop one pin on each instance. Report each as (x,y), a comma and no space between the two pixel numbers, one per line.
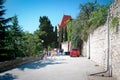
(61,51)
(45,54)
(52,53)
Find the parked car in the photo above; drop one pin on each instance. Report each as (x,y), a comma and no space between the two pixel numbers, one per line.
(74,52)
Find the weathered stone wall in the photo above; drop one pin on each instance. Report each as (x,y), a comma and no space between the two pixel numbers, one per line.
(98,48)
(13,63)
(98,45)
(84,49)
(115,52)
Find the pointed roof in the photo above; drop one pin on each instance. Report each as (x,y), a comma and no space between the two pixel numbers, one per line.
(64,19)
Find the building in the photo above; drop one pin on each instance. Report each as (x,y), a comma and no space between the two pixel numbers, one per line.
(63,29)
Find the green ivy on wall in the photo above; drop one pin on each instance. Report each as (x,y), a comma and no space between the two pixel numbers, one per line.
(114,22)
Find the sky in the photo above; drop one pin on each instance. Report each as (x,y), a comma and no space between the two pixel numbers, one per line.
(29,11)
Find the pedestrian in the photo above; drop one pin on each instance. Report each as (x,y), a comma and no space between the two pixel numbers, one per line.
(52,53)
(45,54)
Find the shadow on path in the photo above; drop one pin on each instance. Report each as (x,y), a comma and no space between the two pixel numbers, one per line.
(39,64)
(8,76)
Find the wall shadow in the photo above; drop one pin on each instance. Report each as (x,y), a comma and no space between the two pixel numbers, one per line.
(8,76)
(40,64)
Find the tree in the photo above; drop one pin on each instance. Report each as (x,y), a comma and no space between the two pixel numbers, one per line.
(73,33)
(31,44)
(70,27)
(91,16)
(15,34)
(55,42)
(98,17)
(84,15)
(4,35)
(46,31)
(3,26)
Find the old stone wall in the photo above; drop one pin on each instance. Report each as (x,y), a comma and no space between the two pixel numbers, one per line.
(84,49)
(13,63)
(98,48)
(98,45)
(115,52)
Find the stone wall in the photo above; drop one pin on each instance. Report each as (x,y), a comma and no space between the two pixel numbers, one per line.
(84,49)
(98,48)
(13,63)
(115,9)
(115,52)
(98,45)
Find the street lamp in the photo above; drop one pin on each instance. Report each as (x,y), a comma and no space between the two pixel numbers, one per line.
(42,41)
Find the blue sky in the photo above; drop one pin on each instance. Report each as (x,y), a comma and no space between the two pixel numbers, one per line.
(29,11)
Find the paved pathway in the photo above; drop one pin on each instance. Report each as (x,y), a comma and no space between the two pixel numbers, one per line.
(57,68)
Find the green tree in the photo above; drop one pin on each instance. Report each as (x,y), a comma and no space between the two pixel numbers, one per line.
(98,17)
(15,34)
(83,17)
(90,17)
(55,41)
(3,25)
(31,44)
(3,33)
(39,42)
(46,31)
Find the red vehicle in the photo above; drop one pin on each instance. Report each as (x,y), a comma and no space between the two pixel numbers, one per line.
(74,52)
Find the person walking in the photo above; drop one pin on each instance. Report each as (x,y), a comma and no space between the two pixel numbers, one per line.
(52,53)
(45,54)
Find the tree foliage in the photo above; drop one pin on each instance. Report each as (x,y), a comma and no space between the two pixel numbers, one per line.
(83,18)
(3,26)
(46,32)
(15,36)
(15,43)
(98,17)
(31,44)
(91,16)
(4,35)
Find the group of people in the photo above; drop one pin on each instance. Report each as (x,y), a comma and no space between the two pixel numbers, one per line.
(52,53)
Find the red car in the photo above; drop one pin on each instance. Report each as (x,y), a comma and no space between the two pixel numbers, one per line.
(74,52)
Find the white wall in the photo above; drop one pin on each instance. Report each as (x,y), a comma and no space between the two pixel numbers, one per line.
(115,53)
(65,46)
(98,48)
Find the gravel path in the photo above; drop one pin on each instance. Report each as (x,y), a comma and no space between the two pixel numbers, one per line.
(57,68)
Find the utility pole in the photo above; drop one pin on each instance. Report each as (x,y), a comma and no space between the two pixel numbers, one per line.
(89,47)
